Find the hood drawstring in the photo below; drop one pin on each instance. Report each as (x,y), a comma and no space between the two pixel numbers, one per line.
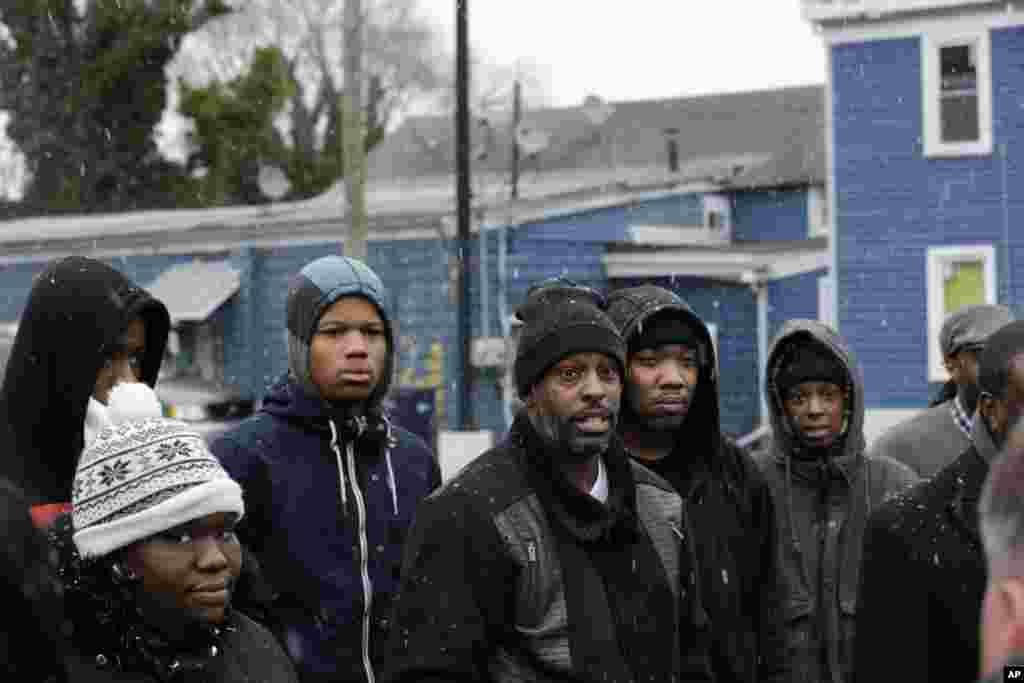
(341,467)
(391,480)
(350,454)
(389,443)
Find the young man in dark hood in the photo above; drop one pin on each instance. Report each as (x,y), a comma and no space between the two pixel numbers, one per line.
(85,328)
(824,488)
(924,564)
(330,483)
(937,436)
(552,556)
(670,423)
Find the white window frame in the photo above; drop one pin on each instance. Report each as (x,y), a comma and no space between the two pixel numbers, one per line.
(721,205)
(930,85)
(938,259)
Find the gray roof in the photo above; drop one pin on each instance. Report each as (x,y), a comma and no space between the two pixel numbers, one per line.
(193,291)
(766,138)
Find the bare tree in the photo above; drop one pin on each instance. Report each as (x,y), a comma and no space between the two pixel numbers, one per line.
(402,61)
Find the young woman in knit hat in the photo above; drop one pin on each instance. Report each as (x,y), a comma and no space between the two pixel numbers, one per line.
(149,558)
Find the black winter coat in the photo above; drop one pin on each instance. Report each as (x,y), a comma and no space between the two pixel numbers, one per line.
(246,653)
(923,578)
(729,506)
(105,640)
(30,644)
(512,574)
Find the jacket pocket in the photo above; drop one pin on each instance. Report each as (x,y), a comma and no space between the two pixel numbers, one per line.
(801,640)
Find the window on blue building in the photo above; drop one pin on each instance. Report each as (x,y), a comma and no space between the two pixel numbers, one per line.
(956,77)
(957,276)
(958,93)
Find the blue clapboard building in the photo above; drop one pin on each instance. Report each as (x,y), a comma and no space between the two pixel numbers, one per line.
(721,198)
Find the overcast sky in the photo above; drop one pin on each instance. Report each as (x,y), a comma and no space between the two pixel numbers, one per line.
(645,48)
(639,49)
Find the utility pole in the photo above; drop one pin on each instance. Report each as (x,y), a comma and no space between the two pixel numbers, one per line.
(517,115)
(353,129)
(463,199)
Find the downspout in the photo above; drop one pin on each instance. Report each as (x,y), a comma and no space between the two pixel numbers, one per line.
(485,299)
(504,320)
(1006,230)
(760,289)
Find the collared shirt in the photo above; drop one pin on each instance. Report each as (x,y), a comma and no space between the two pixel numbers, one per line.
(960,417)
(600,488)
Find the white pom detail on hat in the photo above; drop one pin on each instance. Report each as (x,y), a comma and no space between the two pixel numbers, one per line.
(144,474)
(127,401)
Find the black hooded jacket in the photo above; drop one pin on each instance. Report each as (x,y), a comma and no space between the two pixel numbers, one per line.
(730,508)
(823,501)
(76,311)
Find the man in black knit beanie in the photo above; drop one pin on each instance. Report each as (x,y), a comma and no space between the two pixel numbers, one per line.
(552,556)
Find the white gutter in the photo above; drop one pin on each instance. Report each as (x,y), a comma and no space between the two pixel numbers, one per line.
(726,264)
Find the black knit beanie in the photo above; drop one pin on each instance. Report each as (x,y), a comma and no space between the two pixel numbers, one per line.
(809,362)
(665,328)
(558,322)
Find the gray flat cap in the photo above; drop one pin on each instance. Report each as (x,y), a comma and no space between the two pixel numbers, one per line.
(971,326)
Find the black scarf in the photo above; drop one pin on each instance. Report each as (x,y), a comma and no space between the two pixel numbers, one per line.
(604,551)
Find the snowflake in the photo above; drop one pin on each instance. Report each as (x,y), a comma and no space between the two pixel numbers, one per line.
(175,449)
(117,471)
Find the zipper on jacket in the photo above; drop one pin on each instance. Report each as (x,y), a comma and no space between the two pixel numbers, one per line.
(363,561)
(363,542)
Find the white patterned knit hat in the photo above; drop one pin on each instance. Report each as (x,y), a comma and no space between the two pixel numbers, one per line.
(144,475)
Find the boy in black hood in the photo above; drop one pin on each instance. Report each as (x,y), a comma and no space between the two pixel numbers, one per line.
(824,489)
(670,423)
(85,327)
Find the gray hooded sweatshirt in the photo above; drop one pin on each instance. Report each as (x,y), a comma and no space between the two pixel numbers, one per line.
(822,503)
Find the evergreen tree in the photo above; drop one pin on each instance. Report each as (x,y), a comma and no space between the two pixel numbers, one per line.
(85,90)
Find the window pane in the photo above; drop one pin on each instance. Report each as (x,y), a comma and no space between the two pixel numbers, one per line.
(958,96)
(965,285)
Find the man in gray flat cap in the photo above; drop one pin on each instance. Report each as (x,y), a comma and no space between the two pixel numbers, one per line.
(935,437)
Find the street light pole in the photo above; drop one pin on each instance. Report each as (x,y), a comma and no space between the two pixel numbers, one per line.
(463,199)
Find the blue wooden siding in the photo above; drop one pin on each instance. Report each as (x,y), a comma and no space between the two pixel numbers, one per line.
(792,297)
(769,215)
(612,224)
(893,203)
(733,309)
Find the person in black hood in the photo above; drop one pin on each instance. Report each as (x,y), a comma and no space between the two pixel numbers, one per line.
(553,556)
(85,328)
(670,423)
(824,488)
